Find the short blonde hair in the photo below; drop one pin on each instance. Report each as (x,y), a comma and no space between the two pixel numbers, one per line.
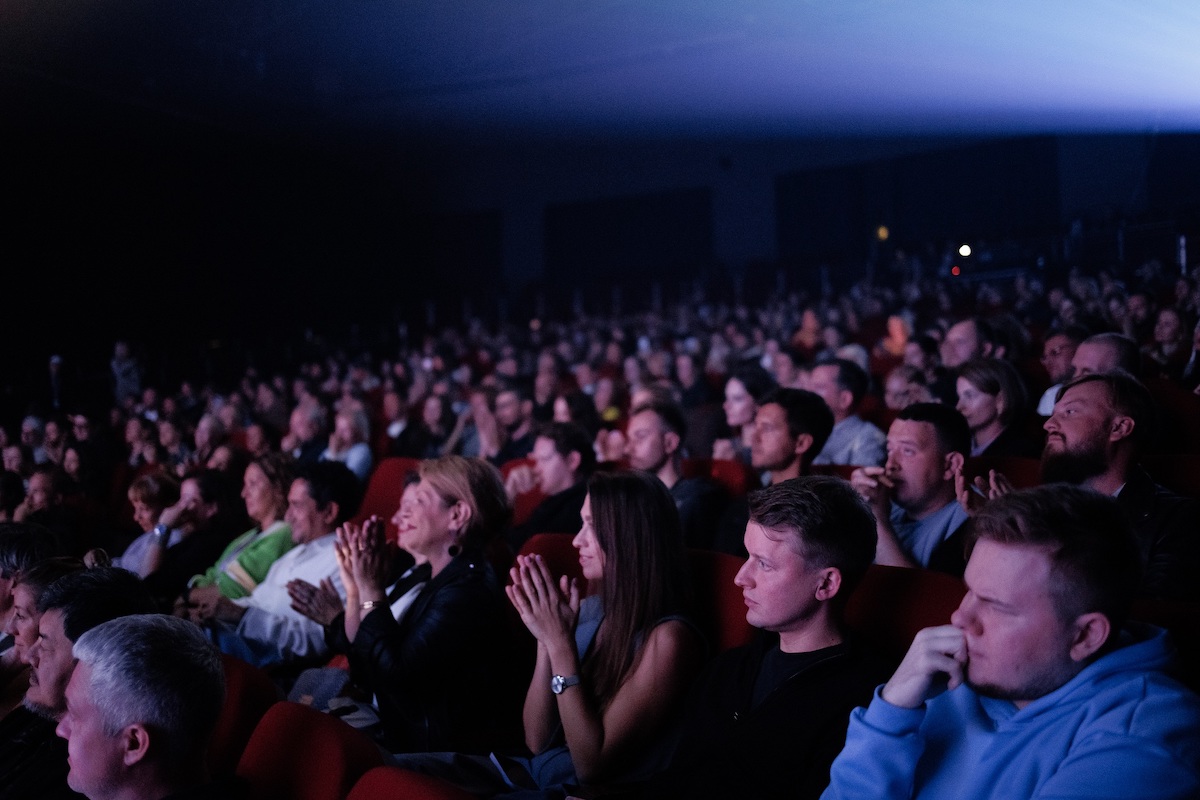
(478,484)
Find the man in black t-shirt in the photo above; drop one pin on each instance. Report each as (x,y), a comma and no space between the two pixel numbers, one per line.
(766,720)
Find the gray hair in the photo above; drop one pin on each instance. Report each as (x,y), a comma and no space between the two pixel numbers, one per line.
(158,671)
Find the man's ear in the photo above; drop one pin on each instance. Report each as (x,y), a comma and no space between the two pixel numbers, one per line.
(1120,428)
(1091,632)
(804,442)
(671,442)
(830,584)
(953,462)
(574,459)
(135,743)
(846,399)
(329,514)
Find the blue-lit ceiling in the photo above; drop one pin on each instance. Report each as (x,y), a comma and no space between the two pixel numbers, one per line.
(641,67)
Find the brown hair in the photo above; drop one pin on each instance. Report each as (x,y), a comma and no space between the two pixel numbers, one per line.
(1095,564)
(996,377)
(156,489)
(645,571)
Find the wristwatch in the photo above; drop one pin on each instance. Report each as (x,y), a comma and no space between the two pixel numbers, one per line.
(559,684)
(160,534)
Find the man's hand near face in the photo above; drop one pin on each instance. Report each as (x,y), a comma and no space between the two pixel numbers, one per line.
(936,661)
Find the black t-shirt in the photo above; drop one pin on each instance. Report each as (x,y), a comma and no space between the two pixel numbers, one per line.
(778,666)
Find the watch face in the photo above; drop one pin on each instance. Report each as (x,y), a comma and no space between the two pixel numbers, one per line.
(556,684)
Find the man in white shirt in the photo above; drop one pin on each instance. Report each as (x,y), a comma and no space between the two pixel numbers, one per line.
(263,628)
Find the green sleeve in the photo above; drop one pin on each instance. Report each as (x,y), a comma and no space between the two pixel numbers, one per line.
(244,573)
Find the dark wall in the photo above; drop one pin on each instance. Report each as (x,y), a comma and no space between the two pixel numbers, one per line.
(1003,188)
(624,240)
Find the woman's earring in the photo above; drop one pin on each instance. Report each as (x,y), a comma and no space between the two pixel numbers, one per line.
(453,550)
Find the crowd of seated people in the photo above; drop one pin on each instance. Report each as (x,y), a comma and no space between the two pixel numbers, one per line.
(908,404)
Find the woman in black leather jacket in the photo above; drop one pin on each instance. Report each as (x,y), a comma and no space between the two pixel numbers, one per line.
(434,646)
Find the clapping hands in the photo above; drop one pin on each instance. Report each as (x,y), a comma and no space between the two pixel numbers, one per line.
(549,609)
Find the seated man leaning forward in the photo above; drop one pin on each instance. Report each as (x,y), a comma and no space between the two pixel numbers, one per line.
(263,628)
(141,706)
(766,720)
(1037,687)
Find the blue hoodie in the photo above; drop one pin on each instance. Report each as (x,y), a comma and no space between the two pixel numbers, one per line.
(1119,729)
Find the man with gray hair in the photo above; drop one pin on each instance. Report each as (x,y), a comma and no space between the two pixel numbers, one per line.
(141,707)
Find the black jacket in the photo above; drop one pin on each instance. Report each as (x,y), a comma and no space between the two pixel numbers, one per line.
(785,745)
(1167,529)
(443,675)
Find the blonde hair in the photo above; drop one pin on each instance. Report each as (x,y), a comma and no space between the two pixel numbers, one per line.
(478,484)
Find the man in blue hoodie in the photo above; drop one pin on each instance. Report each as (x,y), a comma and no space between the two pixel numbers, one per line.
(1038,687)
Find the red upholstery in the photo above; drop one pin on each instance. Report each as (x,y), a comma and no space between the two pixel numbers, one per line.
(893,603)
(719,601)
(526,502)
(298,753)
(388,782)
(558,552)
(508,466)
(733,475)
(382,497)
(248,695)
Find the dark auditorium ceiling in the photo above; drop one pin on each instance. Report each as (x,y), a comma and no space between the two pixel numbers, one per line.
(603,67)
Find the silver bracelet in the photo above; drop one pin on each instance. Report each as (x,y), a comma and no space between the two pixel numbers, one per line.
(367,605)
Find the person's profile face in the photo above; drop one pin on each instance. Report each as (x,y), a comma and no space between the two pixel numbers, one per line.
(51,663)
(95,757)
(1017,646)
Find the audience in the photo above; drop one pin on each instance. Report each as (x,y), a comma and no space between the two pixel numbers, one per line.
(479,390)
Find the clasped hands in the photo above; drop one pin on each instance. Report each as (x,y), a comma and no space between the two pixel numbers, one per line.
(548,608)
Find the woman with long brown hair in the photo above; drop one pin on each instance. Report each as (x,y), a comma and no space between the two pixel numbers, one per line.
(612,668)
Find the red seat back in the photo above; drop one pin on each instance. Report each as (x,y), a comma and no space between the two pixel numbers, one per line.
(249,693)
(720,607)
(893,603)
(298,753)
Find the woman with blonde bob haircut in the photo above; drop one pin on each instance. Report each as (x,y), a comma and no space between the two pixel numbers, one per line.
(430,643)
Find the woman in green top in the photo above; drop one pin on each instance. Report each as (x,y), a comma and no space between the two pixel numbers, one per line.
(246,561)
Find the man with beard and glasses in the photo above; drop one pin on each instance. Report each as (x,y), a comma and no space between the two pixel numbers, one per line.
(1039,687)
(1099,422)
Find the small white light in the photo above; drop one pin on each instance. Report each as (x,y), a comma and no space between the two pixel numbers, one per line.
(965,250)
